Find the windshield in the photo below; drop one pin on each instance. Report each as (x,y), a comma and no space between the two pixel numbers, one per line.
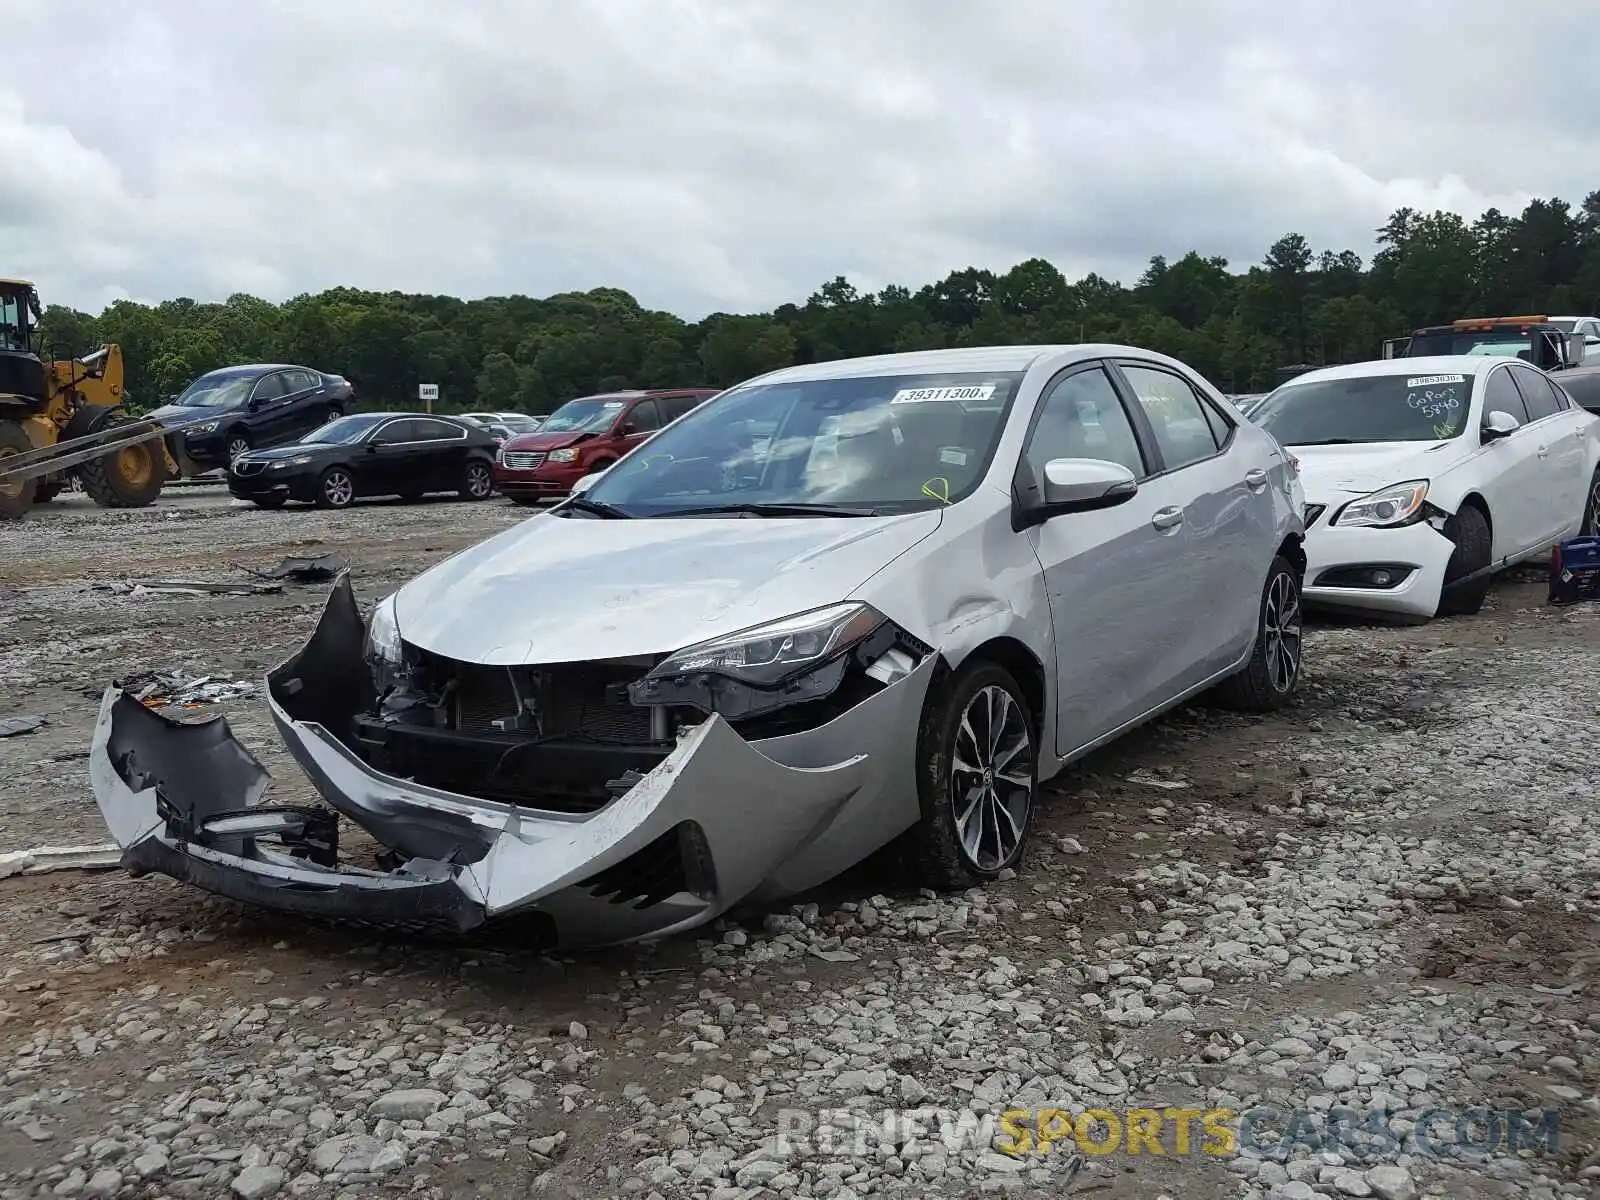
(219,389)
(594,414)
(343,431)
(1566,325)
(887,444)
(1367,408)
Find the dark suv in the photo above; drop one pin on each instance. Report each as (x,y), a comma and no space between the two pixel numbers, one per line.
(227,412)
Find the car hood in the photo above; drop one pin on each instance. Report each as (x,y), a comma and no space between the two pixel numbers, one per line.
(292,450)
(557,589)
(1357,470)
(174,414)
(547,441)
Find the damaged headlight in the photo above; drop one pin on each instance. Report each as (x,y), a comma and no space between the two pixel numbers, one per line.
(768,654)
(203,427)
(385,653)
(758,670)
(1390,507)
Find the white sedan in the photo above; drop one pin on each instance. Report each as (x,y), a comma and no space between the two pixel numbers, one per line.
(1423,476)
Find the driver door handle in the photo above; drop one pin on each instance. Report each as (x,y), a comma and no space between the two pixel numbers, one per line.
(1255,480)
(1167,519)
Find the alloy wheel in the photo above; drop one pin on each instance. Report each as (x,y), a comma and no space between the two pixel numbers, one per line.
(1281,621)
(236,447)
(479,482)
(991,778)
(338,488)
(1594,510)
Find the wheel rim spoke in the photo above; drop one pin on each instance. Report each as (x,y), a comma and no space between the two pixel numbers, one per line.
(992,769)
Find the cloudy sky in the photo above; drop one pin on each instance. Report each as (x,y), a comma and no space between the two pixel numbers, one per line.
(734,154)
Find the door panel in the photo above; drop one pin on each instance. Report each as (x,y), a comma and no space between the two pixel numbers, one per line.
(1565,458)
(270,421)
(1511,471)
(388,467)
(1111,576)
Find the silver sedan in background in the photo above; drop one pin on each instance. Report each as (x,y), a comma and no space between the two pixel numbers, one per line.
(838,606)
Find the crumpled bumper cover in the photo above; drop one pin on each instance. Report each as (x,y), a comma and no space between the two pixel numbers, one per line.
(692,837)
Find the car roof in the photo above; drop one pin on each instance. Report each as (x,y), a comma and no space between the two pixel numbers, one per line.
(1432,364)
(962,360)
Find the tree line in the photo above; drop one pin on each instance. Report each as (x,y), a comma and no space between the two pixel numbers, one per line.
(1298,305)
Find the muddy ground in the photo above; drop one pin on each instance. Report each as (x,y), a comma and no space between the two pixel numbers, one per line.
(1382,899)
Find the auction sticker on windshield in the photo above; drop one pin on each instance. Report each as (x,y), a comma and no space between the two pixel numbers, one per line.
(1423,381)
(942,395)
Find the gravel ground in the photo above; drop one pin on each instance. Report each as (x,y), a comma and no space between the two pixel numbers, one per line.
(1375,911)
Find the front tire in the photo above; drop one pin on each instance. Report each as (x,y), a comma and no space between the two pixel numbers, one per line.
(17,497)
(977,778)
(1590,526)
(238,443)
(336,489)
(1270,678)
(131,477)
(1469,530)
(477,481)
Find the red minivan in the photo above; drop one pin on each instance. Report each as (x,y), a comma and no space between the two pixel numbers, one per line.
(586,435)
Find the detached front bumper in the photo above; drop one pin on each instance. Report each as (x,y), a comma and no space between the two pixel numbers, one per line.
(1340,565)
(719,820)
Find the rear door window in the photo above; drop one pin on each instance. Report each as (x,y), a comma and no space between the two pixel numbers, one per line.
(1183,431)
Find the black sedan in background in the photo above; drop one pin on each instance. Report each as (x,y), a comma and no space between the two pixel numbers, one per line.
(372,454)
(226,412)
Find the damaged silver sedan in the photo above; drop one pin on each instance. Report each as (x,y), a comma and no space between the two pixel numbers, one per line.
(840,606)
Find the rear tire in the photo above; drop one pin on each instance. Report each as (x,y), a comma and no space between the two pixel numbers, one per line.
(477,481)
(128,478)
(977,778)
(1469,530)
(15,498)
(1270,678)
(336,488)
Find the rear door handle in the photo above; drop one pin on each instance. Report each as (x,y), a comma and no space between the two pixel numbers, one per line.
(1544,451)
(1256,479)
(1167,519)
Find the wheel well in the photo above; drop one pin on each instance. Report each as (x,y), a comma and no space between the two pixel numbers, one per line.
(1024,667)
(1293,548)
(1473,500)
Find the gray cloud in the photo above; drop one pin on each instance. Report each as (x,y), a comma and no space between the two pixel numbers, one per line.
(711,155)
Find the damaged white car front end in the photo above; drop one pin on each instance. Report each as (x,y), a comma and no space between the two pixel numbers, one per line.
(685,822)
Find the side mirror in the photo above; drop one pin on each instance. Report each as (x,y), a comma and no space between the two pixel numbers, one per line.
(1576,346)
(1075,485)
(587,481)
(1499,424)
(376,445)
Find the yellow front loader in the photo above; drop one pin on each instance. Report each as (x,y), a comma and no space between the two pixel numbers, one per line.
(64,416)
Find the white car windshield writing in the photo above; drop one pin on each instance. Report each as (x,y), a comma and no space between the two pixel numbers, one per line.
(1371,408)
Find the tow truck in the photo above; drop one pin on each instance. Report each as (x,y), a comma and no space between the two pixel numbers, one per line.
(1535,339)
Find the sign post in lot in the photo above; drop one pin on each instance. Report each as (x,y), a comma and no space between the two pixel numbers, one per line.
(428,393)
